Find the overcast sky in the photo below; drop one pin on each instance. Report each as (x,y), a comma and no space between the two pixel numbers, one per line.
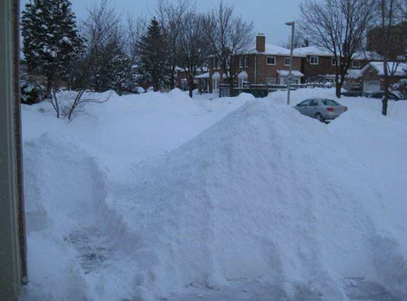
(269,16)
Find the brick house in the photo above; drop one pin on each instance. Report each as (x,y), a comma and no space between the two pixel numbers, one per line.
(270,64)
(320,65)
(181,77)
(266,64)
(372,75)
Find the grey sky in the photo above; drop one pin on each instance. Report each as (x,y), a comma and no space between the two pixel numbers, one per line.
(268,16)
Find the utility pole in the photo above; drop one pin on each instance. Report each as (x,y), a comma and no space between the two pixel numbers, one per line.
(292,24)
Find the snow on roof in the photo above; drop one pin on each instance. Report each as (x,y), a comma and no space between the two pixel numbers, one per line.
(396,68)
(202,76)
(180,69)
(243,75)
(276,50)
(367,55)
(354,73)
(312,50)
(295,73)
(216,75)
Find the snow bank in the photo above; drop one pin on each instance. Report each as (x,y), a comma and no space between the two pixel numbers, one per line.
(254,200)
(261,194)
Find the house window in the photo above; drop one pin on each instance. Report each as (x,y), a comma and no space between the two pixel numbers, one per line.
(243,62)
(356,64)
(314,60)
(334,62)
(271,60)
(287,61)
(271,80)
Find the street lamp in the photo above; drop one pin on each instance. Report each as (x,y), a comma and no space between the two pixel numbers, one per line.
(292,24)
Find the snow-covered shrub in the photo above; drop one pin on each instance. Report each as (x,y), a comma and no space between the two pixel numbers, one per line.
(31,91)
(401,87)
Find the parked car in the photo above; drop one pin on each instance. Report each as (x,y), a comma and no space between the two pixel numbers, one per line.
(321,109)
(352,93)
(380,95)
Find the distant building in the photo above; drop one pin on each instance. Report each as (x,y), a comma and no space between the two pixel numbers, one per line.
(372,76)
(265,64)
(270,64)
(398,40)
(181,77)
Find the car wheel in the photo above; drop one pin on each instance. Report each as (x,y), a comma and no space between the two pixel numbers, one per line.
(320,117)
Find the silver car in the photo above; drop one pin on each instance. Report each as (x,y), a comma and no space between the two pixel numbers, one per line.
(321,108)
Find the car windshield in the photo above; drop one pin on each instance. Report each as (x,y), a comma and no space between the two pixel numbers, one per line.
(304,103)
(330,102)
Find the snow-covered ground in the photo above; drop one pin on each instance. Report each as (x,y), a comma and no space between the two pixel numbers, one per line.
(162,197)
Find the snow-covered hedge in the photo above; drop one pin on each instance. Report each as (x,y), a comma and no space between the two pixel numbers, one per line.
(31,92)
(401,87)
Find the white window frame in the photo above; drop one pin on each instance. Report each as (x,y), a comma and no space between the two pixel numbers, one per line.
(267,60)
(317,60)
(243,62)
(285,61)
(358,66)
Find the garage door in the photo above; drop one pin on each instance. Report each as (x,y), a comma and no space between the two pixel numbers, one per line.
(371,86)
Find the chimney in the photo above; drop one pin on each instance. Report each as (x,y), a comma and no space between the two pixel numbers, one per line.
(261,42)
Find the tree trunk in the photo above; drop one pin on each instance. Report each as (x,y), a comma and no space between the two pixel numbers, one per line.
(191,90)
(172,79)
(339,80)
(191,85)
(385,100)
(338,89)
(231,87)
(49,87)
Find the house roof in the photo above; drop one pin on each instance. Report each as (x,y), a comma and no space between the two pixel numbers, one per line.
(275,50)
(295,73)
(202,76)
(367,55)
(319,51)
(312,50)
(354,73)
(397,69)
(179,69)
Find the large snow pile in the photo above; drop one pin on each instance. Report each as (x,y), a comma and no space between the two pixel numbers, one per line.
(259,203)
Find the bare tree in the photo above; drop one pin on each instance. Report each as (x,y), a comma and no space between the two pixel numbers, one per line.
(228,36)
(171,16)
(338,26)
(73,108)
(193,48)
(390,30)
(102,31)
(136,28)
(299,41)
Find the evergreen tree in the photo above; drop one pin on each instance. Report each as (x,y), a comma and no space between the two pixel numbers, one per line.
(51,39)
(153,65)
